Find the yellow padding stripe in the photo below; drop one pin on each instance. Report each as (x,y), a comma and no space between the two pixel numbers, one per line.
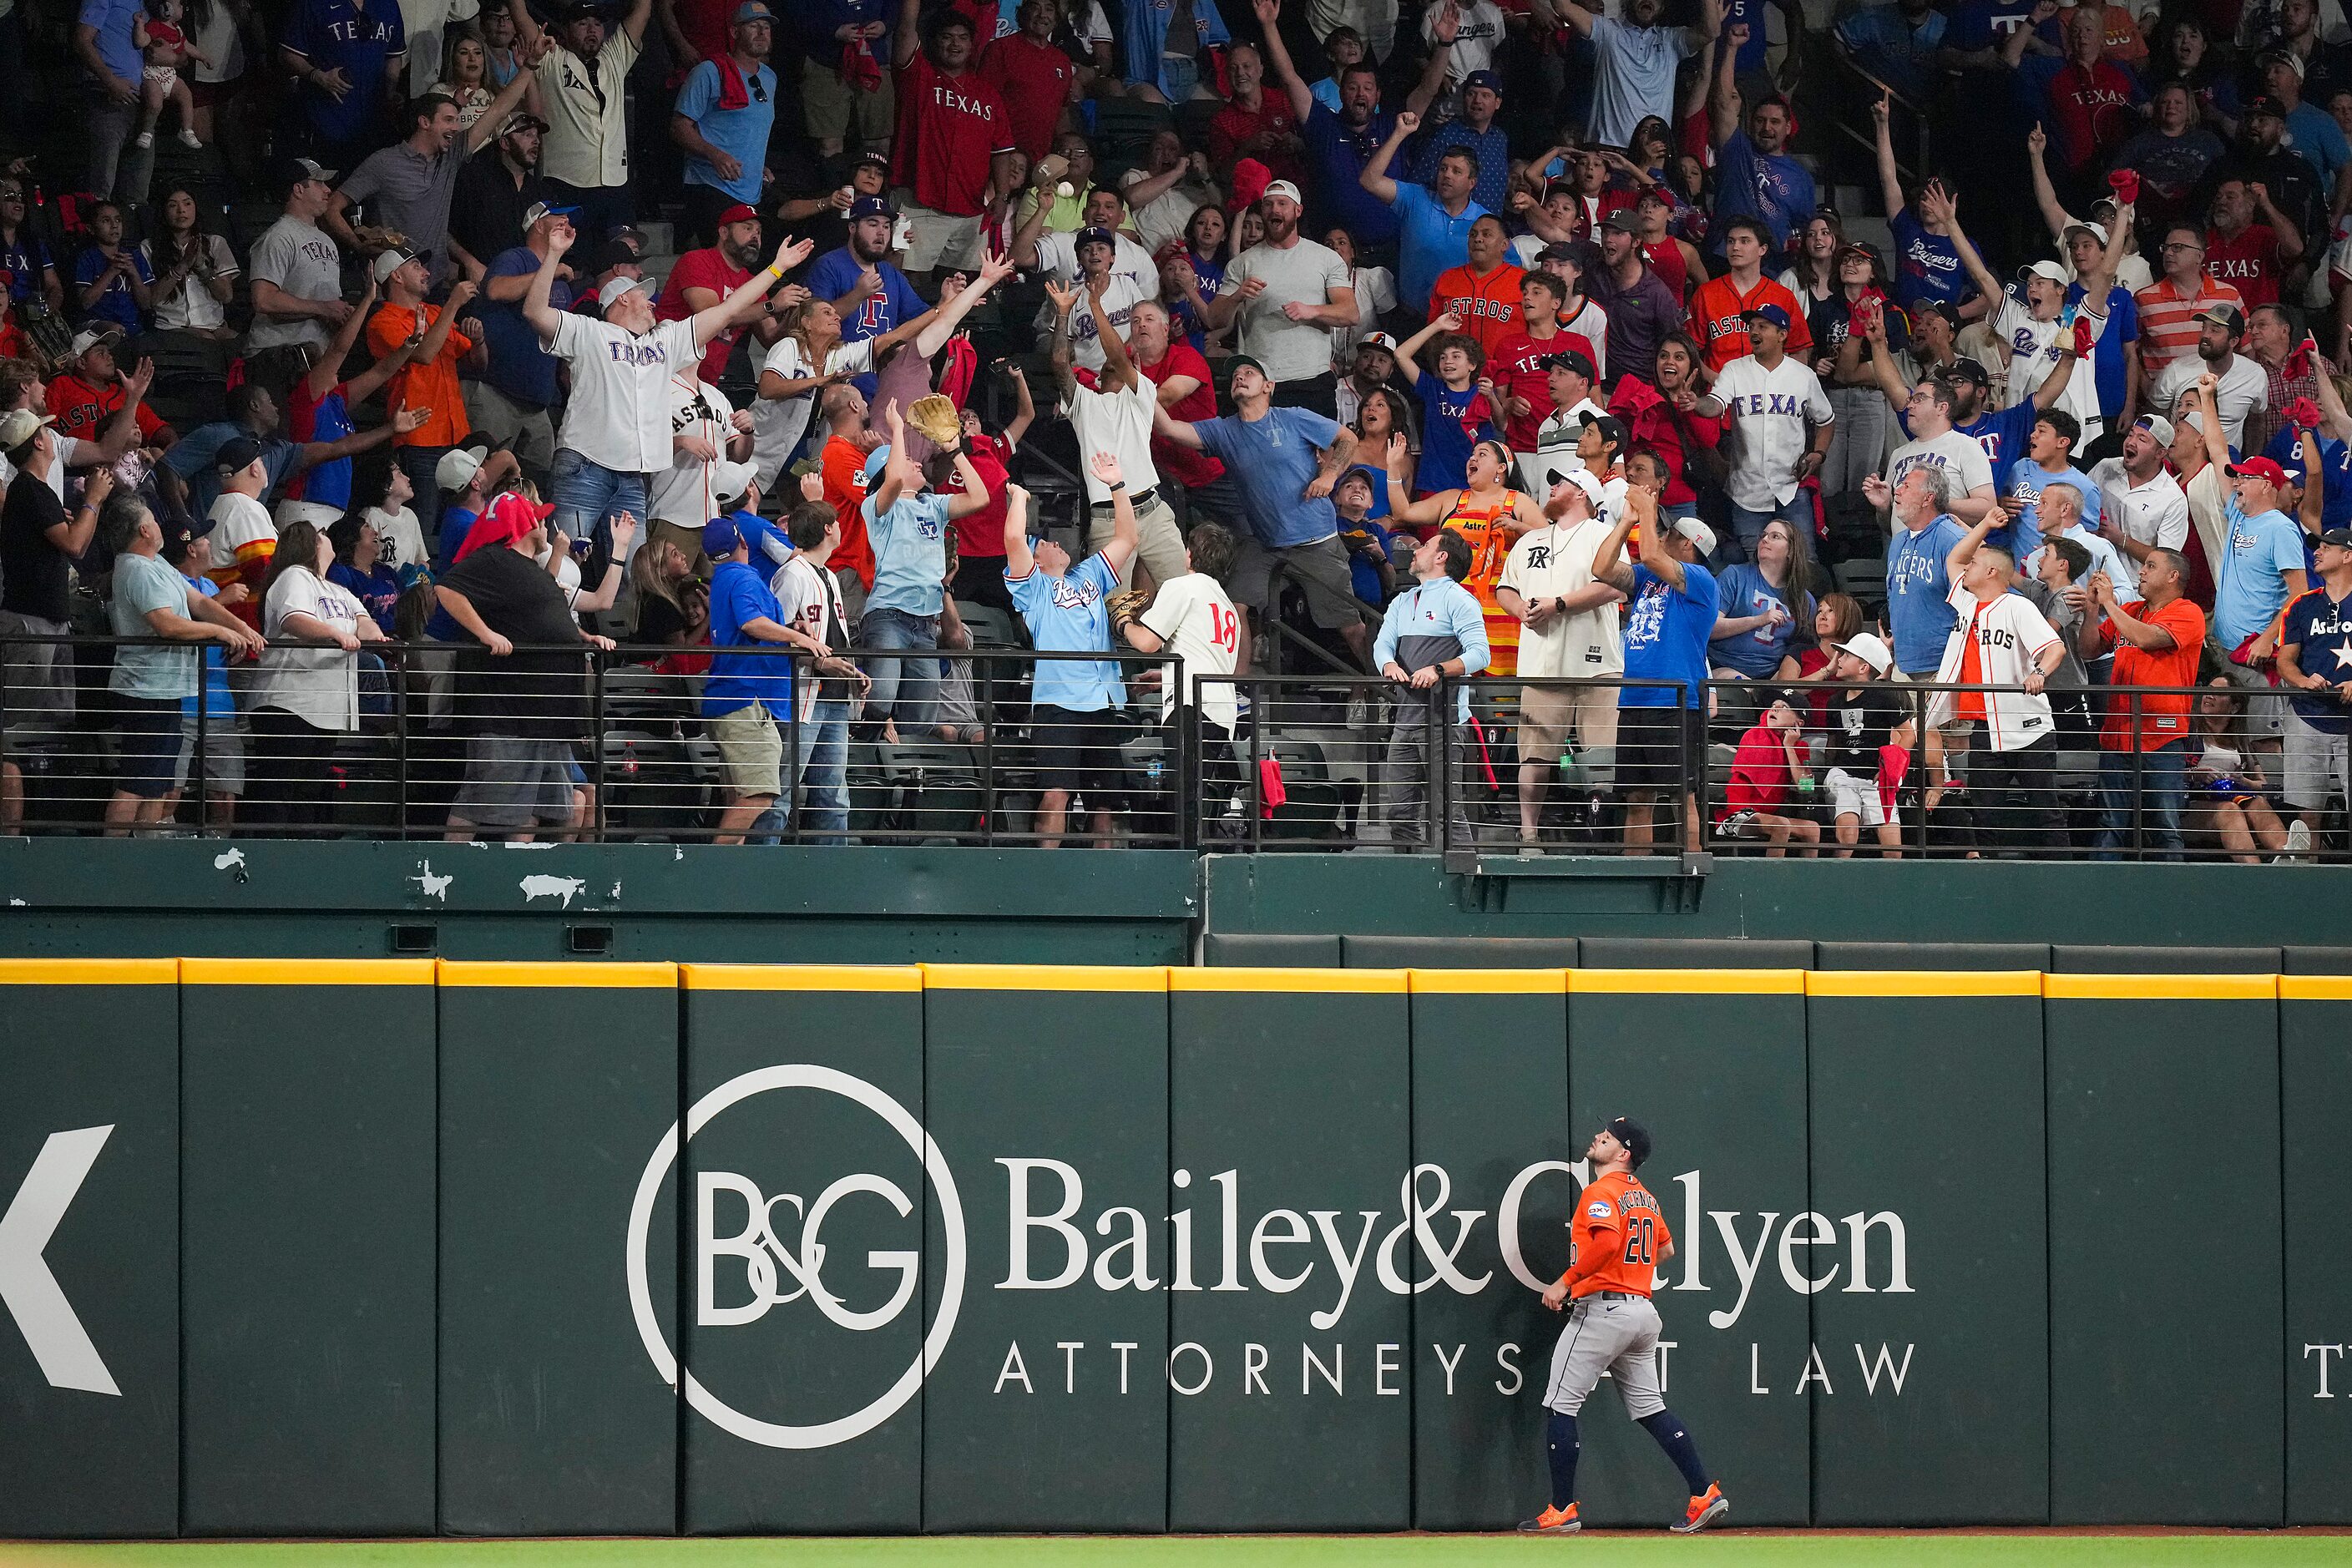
(1489,982)
(1688,982)
(2315,987)
(800,977)
(1923,982)
(584,976)
(305,972)
(2161,987)
(1362,982)
(1044,977)
(89,971)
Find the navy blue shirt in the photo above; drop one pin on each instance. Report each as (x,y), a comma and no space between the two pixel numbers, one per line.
(891,306)
(520,364)
(1492,190)
(336,35)
(1339,156)
(2321,629)
(1445,440)
(1927,265)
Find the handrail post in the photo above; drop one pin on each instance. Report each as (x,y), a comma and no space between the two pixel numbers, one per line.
(2139,782)
(400,741)
(596,769)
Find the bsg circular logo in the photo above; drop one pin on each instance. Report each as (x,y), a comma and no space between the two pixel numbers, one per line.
(778,1271)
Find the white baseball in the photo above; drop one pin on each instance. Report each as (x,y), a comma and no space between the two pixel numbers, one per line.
(1065,189)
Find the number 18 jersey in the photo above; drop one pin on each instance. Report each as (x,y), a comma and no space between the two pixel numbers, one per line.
(1193,616)
(1620,1224)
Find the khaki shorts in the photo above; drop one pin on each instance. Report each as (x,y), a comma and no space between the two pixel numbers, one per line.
(751,750)
(1549,715)
(1320,569)
(531,431)
(830,105)
(1159,545)
(941,239)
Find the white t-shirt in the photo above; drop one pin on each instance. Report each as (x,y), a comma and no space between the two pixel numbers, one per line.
(404,538)
(618,417)
(1769,411)
(1305,272)
(1119,422)
(682,491)
(1474,44)
(1951,450)
(1551,561)
(1376,295)
(779,423)
(2244,387)
(2009,632)
(1192,615)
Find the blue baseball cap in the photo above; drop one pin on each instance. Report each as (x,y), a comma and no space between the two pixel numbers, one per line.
(1771,313)
(1487,80)
(876,461)
(1087,236)
(720,537)
(870,206)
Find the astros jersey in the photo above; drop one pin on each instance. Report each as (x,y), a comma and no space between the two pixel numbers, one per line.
(1619,1224)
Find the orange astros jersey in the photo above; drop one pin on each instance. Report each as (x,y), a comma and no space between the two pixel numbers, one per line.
(1616,1238)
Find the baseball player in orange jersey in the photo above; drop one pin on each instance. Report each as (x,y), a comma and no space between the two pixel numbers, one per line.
(1616,1242)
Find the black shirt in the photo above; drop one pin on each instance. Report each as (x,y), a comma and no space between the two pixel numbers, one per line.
(539,696)
(801,175)
(486,210)
(33,580)
(1860,722)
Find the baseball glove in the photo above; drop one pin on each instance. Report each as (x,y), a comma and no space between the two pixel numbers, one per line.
(935,419)
(1125,605)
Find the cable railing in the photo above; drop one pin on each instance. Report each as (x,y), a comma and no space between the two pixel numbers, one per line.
(998,746)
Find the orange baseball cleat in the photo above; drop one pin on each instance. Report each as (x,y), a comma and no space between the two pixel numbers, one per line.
(1553,1521)
(1703,1511)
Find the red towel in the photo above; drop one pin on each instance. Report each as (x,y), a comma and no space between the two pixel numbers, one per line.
(959,368)
(859,69)
(732,93)
(1270,791)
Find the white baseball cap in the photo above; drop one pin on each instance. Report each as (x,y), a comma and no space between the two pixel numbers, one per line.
(390,262)
(1582,479)
(458,468)
(1869,648)
(729,479)
(616,287)
(1698,532)
(1283,188)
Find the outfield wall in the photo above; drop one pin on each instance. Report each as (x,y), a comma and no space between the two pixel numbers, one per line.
(384,1247)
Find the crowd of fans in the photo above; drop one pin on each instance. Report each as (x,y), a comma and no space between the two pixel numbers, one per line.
(1473,337)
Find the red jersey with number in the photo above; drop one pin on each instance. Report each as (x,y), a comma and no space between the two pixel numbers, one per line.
(1616,1238)
(950,127)
(1182,466)
(1033,80)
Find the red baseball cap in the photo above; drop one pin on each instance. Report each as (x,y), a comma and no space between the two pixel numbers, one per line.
(741,212)
(2259,469)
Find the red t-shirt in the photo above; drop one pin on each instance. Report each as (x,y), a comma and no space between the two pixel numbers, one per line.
(1515,362)
(1182,466)
(2249,263)
(981,534)
(1759,775)
(948,129)
(704,269)
(2093,109)
(1033,80)
(83,411)
(1665,260)
(1235,128)
(842,468)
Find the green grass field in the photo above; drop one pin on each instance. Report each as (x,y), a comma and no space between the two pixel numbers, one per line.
(1815,1550)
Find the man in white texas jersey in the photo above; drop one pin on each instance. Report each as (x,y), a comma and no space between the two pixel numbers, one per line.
(1191,617)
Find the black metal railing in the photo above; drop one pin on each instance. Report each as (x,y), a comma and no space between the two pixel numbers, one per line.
(996,745)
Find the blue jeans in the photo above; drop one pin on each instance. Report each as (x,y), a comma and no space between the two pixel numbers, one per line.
(2164,785)
(587,495)
(825,774)
(1748,526)
(904,688)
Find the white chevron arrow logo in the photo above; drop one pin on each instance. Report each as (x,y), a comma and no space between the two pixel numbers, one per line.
(30,1290)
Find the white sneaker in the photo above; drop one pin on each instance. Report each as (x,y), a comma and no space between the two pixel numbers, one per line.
(190,140)
(2298,839)
(146,139)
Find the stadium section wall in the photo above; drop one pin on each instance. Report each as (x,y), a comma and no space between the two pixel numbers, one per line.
(395,1248)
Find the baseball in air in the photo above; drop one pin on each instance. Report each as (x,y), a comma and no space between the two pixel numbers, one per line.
(1065,189)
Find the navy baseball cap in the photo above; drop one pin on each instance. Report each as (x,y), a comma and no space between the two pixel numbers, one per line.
(238,453)
(1630,1133)
(720,537)
(1773,314)
(1571,359)
(1487,80)
(1087,236)
(871,206)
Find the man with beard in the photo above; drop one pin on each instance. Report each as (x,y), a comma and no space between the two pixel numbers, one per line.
(1254,123)
(1287,293)
(703,278)
(1634,59)
(724,113)
(1755,176)
(582,83)
(871,296)
(819,195)
(1341,141)
(2267,206)
(1638,305)
(2242,385)
(408,186)
(493,193)
(954,143)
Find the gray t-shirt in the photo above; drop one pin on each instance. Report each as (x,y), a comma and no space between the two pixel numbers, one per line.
(1306,272)
(301,259)
(403,189)
(142,583)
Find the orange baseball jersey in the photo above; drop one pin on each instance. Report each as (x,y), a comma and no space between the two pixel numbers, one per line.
(1615,1239)
(1489,303)
(1715,322)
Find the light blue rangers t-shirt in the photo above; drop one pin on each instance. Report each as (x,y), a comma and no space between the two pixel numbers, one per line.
(910,553)
(1918,590)
(2248,589)
(1071,614)
(1273,459)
